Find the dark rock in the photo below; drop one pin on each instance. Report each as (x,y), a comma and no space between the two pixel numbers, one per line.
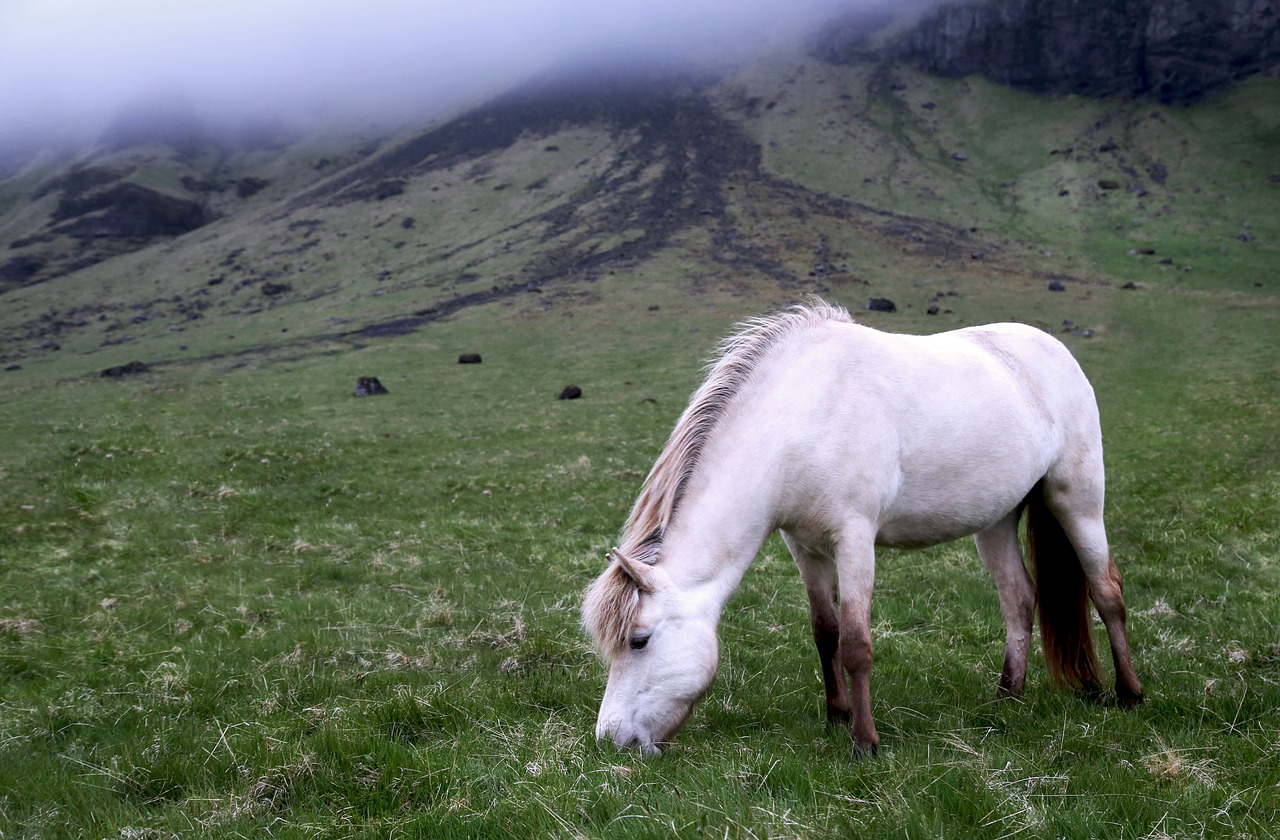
(932,310)
(1057,286)
(959,156)
(881,305)
(388,189)
(571,392)
(368,386)
(1108,184)
(469,359)
(20,269)
(1175,52)
(251,186)
(129,210)
(13,367)
(408,222)
(1130,285)
(121,371)
(273,289)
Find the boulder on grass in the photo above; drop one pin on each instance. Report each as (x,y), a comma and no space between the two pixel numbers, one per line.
(121,371)
(368,386)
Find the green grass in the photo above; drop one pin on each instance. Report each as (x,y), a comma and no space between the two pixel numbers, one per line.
(247,603)
(237,601)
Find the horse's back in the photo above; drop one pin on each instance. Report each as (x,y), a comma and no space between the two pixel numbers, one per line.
(933,436)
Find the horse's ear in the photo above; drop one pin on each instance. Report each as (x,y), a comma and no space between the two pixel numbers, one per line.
(641,574)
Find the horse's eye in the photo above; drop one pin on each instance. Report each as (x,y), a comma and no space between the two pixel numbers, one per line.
(638,641)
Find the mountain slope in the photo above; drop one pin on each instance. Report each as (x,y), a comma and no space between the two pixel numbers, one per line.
(773,179)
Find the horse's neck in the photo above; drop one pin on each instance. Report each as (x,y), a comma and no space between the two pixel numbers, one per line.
(722,521)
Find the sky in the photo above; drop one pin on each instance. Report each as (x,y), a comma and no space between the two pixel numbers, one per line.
(78,62)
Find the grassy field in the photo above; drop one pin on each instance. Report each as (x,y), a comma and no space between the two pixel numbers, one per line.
(236,601)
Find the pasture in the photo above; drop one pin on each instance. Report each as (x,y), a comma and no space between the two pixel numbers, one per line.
(240,602)
(236,601)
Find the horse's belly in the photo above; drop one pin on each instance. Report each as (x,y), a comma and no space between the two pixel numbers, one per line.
(918,532)
(940,513)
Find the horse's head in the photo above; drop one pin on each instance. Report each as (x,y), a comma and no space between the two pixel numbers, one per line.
(662,651)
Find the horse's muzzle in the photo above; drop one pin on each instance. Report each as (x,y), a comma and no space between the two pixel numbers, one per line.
(628,741)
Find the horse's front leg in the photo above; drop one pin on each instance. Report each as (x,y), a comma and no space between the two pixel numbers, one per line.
(856,563)
(818,571)
(998,548)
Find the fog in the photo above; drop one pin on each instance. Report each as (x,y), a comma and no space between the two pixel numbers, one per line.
(69,66)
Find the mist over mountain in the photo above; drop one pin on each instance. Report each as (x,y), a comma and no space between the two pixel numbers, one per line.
(72,66)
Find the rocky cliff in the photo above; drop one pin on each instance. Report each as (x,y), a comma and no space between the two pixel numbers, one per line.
(1177,51)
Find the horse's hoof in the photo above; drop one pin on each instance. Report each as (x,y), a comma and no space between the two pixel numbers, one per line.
(861,751)
(865,743)
(1128,699)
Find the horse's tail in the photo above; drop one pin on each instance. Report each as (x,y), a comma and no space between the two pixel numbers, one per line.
(1063,599)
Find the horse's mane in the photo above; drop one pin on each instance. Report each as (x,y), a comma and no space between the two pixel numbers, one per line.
(609,608)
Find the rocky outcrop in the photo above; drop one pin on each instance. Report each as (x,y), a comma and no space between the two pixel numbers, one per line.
(1177,51)
(128,210)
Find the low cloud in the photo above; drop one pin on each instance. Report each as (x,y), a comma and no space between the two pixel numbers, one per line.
(77,63)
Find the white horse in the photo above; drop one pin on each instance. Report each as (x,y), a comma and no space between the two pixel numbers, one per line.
(847,438)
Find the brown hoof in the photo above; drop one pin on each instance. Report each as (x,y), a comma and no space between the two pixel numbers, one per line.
(1128,699)
(1008,692)
(861,751)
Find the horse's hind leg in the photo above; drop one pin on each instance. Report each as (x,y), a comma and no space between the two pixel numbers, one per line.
(998,548)
(1106,590)
(1080,515)
(821,584)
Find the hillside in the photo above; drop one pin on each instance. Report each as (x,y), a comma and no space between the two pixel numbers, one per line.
(778,178)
